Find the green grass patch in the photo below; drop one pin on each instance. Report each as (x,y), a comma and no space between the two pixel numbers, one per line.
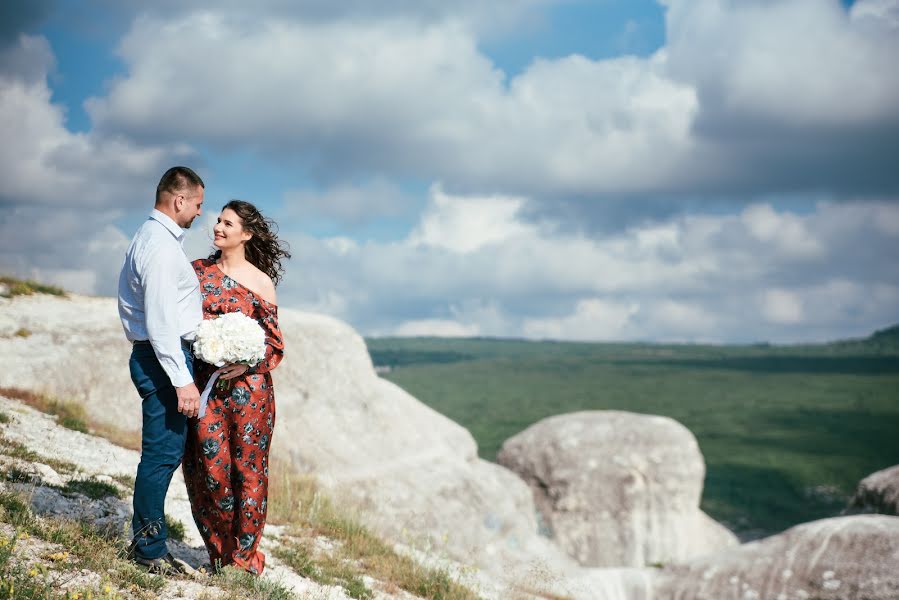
(15,510)
(175,528)
(241,585)
(92,488)
(68,414)
(89,548)
(325,569)
(27,287)
(4,418)
(16,475)
(126,480)
(297,500)
(72,415)
(774,423)
(17,581)
(14,449)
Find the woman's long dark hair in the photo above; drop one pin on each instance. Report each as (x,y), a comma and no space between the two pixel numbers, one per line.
(264,250)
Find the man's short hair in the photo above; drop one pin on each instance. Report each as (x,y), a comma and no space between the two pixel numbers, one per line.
(177,180)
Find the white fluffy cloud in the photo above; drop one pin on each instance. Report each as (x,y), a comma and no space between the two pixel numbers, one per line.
(350,204)
(436,327)
(797,62)
(61,191)
(465,224)
(690,278)
(42,162)
(736,88)
(736,102)
(782,307)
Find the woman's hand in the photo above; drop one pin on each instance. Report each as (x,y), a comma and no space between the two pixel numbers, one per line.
(232,371)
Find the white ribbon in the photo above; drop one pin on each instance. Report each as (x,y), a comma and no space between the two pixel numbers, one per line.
(204,397)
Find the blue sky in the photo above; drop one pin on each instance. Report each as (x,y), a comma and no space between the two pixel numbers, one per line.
(608,170)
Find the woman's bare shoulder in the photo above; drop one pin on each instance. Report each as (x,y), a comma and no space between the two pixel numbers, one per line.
(264,286)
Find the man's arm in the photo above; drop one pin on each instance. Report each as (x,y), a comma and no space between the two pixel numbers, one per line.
(160,309)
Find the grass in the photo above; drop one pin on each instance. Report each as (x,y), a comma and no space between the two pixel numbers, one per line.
(92,488)
(17,580)
(124,438)
(68,414)
(357,550)
(72,415)
(175,528)
(85,549)
(241,585)
(774,424)
(14,449)
(27,287)
(126,480)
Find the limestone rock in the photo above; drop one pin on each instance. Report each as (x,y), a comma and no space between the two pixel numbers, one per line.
(877,493)
(831,559)
(617,489)
(414,474)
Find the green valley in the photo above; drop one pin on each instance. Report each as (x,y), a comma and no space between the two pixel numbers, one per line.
(786,431)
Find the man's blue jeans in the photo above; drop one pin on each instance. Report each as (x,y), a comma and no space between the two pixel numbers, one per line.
(162,447)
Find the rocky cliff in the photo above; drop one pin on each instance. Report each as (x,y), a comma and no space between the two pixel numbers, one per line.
(616,492)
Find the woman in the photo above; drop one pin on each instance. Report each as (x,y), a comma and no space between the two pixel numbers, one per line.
(226,455)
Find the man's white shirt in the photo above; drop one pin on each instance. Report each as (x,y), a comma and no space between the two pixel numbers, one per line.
(159,294)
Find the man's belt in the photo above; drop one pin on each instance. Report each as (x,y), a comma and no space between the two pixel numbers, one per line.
(186,344)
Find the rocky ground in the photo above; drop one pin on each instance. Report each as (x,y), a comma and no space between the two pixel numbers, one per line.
(39,458)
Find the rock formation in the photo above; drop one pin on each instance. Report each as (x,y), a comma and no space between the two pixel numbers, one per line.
(413,473)
(832,559)
(416,477)
(616,488)
(877,493)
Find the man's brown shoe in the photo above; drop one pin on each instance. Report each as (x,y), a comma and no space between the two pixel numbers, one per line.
(164,565)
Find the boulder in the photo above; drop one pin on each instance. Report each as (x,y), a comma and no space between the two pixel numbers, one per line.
(617,489)
(414,475)
(76,352)
(831,559)
(877,493)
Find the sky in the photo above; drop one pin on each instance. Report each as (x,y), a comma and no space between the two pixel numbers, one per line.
(722,171)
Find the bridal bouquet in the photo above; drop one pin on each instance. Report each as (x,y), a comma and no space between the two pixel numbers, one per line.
(228,339)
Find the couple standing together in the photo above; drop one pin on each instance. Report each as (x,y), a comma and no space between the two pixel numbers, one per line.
(162,299)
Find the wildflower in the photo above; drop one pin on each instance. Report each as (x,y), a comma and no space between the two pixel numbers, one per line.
(33,572)
(58,556)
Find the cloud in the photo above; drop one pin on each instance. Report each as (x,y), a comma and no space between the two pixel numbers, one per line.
(702,277)
(350,204)
(401,98)
(465,224)
(782,307)
(17,16)
(787,231)
(485,16)
(810,106)
(734,103)
(435,327)
(42,162)
(61,192)
(592,319)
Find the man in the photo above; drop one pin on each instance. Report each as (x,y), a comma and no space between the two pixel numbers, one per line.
(160,307)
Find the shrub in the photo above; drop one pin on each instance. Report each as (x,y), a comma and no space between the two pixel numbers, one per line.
(27,287)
